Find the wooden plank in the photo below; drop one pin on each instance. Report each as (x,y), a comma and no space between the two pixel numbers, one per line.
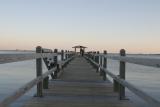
(77,102)
(80,89)
(122,75)
(39,72)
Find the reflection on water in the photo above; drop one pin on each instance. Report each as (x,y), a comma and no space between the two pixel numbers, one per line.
(15,75)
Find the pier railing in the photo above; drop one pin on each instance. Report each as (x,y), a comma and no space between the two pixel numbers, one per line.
(99,61)
(52,63)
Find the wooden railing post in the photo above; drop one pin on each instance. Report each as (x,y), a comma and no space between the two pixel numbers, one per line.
(66,55)
(45,82)
(92,55)
(55,57)
(97,60)
(104,65)
(96,57)
(101,60)
(115,85)
(122,75)
(101,64)
(62,55)
(39,72)
(55,63)
(105,59)
(46,79)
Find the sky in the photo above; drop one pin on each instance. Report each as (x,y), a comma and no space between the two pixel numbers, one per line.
(98,24)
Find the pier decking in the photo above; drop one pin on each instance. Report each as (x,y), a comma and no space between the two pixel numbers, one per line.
(78,81)
(79,86)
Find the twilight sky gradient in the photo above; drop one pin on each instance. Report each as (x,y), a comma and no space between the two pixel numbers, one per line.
(98,24)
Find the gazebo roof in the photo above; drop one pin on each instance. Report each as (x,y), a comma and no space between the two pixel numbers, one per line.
(79,46)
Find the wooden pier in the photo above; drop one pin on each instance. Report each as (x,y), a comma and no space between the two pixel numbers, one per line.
(79,86)
(78,80)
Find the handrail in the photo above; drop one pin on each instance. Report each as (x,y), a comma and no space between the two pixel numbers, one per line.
(10,99)
(153,62)
(92,57)
(8,58)
(70,52)
(153,102)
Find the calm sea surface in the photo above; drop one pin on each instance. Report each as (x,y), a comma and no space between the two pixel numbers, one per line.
(15,75)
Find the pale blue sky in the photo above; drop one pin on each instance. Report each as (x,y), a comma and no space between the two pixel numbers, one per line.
(98,24)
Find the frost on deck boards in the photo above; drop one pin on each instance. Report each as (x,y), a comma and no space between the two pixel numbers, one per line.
(79,86)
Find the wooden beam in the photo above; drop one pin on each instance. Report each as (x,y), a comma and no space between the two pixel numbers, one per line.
(152,62)
(39,73)
(62,55)
(122,73)
(104,65)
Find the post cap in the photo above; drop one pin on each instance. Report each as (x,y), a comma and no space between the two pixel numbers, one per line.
(38,49)
(122,52)
(105,52)
(55,50)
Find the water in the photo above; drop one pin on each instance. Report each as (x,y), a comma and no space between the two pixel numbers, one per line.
(143,77)
(15,75)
